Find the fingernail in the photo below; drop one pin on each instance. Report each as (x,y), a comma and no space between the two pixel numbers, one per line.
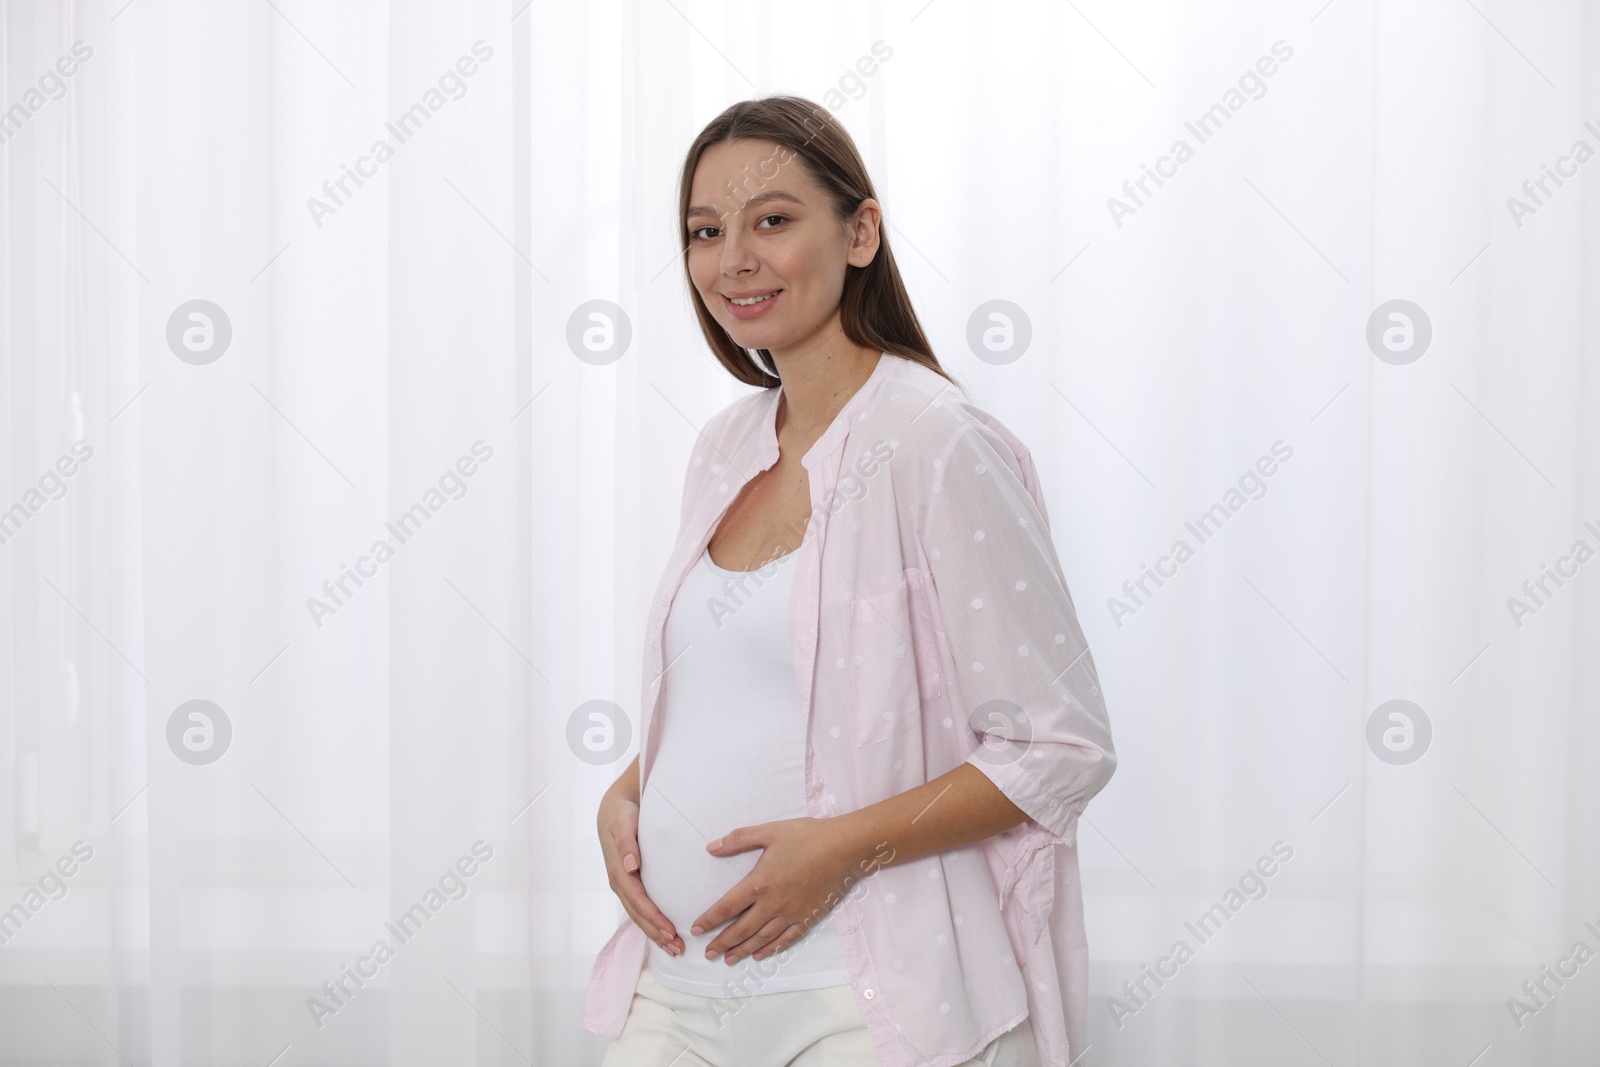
(697,930)
(711,953)
(665,936)
(630,862)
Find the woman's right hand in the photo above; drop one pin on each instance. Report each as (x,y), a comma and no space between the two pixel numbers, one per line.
(618,823)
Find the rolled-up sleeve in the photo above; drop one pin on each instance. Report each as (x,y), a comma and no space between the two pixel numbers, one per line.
(1024,678)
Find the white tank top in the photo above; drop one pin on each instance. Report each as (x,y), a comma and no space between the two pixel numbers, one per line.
(732,753)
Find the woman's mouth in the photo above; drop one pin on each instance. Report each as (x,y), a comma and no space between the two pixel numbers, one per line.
(752,306)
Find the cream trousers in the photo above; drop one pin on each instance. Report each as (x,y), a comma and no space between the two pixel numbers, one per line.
(803,1028)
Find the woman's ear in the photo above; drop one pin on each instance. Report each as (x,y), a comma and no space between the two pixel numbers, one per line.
(864,232)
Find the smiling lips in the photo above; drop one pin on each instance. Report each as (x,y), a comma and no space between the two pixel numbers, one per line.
(750,303)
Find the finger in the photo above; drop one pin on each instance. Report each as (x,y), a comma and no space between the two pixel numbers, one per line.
(620,846)
(761,939)
(734,901)
(670,944)
(739,839)
(641,909)
(737,932)
(628,849)
(633,892)
(630,886)
(782,943)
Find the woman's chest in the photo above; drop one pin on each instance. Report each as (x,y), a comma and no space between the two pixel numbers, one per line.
(766,520)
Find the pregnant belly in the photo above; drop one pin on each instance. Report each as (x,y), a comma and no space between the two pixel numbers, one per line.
(682,878)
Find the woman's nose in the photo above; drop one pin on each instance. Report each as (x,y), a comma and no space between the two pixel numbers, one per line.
(738,255)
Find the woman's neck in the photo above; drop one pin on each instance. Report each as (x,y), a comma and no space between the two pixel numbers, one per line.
(817,385)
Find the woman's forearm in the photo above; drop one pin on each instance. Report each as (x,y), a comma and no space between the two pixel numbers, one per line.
(954,809)
(627,784)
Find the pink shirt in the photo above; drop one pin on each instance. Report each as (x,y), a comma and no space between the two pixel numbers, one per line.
(931,625)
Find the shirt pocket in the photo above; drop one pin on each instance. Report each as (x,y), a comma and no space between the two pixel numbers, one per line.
(883,675)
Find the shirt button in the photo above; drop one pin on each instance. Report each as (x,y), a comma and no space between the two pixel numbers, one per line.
(816,787)
(850,928)
(869,994)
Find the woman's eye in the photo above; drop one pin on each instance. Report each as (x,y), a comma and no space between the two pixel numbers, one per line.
(695,234)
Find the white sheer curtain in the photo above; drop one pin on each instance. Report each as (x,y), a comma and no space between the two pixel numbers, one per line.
(398,352)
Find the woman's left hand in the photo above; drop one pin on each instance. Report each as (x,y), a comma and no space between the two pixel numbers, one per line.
(804,870)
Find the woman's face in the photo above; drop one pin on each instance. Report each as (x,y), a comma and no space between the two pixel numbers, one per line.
(760,226)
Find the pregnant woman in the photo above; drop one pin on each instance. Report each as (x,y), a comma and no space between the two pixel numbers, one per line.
(870,716)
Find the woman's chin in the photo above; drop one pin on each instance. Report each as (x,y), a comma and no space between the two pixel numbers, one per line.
(751,339)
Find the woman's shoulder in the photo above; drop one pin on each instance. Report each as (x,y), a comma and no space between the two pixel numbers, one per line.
(943,442)
(926,417)
(736,421)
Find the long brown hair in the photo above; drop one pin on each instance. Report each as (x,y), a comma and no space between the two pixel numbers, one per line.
(874,309)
